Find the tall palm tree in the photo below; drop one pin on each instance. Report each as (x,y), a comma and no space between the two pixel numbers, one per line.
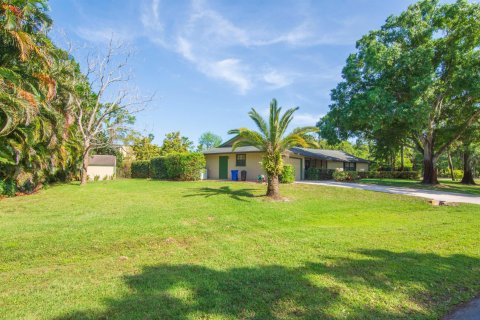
(273,141)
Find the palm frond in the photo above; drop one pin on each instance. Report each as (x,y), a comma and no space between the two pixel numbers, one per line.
(259,121)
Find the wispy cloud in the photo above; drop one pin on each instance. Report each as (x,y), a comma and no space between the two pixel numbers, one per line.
(216,45)
(306,119)
(276,79)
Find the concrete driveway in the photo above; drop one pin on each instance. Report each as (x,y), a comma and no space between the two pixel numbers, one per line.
(422,193)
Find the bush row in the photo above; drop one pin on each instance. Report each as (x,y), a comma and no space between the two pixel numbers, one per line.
(8,187)
(318,174)
(410,175)
(178,166)
(347,176)
(141,169)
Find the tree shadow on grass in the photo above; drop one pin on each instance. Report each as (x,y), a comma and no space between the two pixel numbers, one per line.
(277,292)
(236,194)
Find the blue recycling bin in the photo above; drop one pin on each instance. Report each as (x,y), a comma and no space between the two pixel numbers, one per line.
(234,175)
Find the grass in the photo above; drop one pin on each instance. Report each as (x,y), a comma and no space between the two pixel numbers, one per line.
(445,185)
(137,249)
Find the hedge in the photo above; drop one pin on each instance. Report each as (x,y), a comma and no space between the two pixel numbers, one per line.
(318,174)
(410,175)
(158,169)
(179,166)
(140,169)
(347,176)
(8,187)
(288,174)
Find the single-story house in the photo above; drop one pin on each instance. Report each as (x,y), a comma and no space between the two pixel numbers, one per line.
(222,159)
(102,166)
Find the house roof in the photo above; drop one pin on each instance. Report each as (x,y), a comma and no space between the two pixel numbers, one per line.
(332,155)
(102,160)
(229,150)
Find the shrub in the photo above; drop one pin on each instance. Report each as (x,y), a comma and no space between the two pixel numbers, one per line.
(318,174)
(410,175)
(347,176)
(8,187)
(105,177)
(178,166)
(288,174)
(96,178)
(458,174)
(140,169)
(158,169)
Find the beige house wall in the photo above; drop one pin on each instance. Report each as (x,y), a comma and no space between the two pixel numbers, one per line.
(100,171)
(253,166)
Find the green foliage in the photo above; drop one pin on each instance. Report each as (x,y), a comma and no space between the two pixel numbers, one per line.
(318,174)
(140,169)
(158,168)
(96,178)
(288,174)
(144,149)
(408,175)
(8,187)
(175,143)
(208,140)
(178,166)
(345,176)
(415,81)
(457,174)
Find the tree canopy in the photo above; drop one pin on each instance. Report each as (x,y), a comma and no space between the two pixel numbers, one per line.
(415,82)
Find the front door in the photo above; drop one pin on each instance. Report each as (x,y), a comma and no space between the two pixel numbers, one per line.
(223,167)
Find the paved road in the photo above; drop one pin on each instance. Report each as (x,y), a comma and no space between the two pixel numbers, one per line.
(429,194)
(471,311)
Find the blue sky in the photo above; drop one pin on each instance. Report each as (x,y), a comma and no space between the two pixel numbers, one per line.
(210,61)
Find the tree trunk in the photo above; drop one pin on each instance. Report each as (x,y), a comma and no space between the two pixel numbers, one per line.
(450,165)
(429,172)
(83,170)
(272,187)
(402,162)
(467,168)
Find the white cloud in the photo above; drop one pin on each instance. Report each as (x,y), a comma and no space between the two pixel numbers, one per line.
(305,119)
(150,16)
(213,43)
(276,80)
(230,70)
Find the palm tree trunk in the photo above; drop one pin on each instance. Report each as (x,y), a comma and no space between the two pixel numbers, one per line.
(273,187)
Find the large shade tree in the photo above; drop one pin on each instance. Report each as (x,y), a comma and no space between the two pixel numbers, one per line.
(273,140)
(417,79)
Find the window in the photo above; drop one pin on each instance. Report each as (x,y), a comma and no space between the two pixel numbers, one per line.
(350,166)
(241,160)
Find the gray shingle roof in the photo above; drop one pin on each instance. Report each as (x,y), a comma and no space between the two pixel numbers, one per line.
(332,155)
(229,150)
(102,160)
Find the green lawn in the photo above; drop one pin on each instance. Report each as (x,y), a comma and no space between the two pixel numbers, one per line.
(445,185)
(137,249)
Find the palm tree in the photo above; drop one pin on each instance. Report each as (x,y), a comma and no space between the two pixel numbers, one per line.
(271,139)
